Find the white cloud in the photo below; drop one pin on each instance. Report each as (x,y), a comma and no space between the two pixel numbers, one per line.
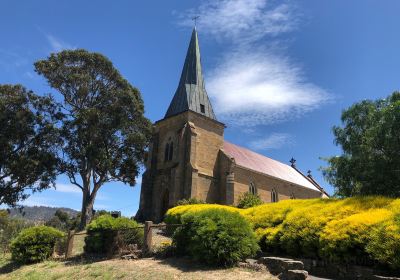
(38,201)
(231,19)
(253,84)
(273,141)
(57,44)
(67,188)
(72,189)
(261,88)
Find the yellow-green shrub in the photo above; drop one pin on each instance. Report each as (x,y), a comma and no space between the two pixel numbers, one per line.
(384,243)
(174,215)
(352,229)
(345,239)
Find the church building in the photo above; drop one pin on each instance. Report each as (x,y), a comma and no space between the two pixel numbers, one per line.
(189,158)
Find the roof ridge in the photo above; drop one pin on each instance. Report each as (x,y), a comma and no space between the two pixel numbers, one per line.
(256,153)
(259,163)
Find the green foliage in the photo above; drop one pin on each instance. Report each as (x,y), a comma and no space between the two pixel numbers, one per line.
(35,244)
(189,201)
(27,143)
(103,130)
(247,200)
(62,221)
(216,236)
(353,230)
(103,230)
(9,228)
(370,142)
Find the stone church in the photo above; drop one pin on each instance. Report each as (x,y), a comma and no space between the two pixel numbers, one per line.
(189,158)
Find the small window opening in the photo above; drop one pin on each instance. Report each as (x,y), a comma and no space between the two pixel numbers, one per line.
(252,188)
(202,108)
(169,150)
(274,196)
(166,152)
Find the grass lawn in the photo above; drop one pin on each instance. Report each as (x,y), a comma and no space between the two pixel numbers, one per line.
(143,269)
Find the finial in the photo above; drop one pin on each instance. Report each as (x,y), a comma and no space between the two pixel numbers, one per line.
(293,162)
(195,18)
(309,173)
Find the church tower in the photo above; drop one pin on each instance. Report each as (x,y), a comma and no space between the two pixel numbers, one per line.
(183,156)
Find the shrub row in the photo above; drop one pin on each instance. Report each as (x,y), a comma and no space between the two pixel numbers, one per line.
(215,236)
(358,230)
(35,244)
(104,230)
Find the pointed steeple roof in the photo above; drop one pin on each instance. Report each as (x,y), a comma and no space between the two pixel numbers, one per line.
(191,93)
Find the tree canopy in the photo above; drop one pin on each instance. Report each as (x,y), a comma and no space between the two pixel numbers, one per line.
(370,140)
(28,139)
(103,131)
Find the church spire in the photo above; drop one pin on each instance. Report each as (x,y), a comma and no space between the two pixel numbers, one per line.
(191,93)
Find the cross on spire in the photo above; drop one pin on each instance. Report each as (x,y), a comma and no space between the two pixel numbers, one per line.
(293,162)
(195,18)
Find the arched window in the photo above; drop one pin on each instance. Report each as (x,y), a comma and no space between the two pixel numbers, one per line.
(252,188)
(166,152)
(169,150)
(274,196)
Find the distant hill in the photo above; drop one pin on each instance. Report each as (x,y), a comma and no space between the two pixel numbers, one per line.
(39,213)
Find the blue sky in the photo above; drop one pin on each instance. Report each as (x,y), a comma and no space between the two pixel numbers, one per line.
(279,73)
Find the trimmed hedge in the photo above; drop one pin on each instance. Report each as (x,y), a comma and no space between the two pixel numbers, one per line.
(35,244)
(216,236)
(357,230)
(102,233)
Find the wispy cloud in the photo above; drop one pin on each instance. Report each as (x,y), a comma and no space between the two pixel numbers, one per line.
(10,60)
(253,83)
(231,19)
(57,44)
(67,188)
(262,88)
(38,201)
(72,189)
(273,141)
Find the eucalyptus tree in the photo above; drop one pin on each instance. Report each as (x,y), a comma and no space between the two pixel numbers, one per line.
(28,141)
(103,132)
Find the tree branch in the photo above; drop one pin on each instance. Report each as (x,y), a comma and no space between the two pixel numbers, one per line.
(74,182)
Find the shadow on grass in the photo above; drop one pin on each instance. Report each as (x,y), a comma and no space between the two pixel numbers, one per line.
(187,264)
(9,267)
(84,259)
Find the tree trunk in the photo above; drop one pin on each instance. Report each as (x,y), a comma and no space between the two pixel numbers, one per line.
(87,211)
(87,205)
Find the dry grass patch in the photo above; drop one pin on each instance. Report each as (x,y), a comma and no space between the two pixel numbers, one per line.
(143,269)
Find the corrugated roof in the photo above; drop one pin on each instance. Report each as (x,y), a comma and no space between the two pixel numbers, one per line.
(254,161)
(191,93)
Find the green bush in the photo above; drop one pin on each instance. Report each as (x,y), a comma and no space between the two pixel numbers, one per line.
(363,230)
(9,228)
(216,236)
(35,244)
(247,200)
(103,231)
(189,201)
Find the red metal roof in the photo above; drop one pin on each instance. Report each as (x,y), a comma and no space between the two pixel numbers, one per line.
(251,160)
